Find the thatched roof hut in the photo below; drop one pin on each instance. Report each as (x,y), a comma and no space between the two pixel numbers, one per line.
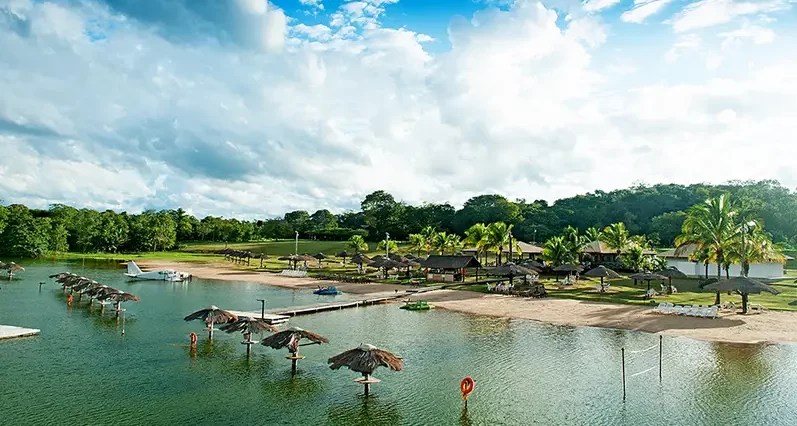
(568,267)
(448,262)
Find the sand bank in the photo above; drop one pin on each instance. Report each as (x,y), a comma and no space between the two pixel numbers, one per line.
(730,327)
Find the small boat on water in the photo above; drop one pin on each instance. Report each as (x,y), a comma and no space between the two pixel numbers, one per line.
(331,290)
(420,305)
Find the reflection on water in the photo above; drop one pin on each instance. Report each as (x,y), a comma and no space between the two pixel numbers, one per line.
(525,372)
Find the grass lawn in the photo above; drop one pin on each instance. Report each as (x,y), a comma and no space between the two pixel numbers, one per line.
(689,293)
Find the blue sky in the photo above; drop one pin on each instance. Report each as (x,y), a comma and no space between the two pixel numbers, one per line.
(248,108)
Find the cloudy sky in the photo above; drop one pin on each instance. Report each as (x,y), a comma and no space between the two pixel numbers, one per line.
(251,108)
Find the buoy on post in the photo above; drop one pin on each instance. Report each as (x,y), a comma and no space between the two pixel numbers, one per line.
(193,340)
(466,387)
(69,300)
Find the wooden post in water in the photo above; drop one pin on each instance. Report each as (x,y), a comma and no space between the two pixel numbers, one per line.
(366,384)
(661,338)
(622,358)
(294,357)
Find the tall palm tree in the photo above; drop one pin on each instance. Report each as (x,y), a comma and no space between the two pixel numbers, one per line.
(476,236)
(575,242)
(758,247)
(439,241)
(710,225)
(357,244)
(634,258)
(556,252)
(615,236)
(428,234)
(498,238)
(452,242)
(417,242)
(592,233)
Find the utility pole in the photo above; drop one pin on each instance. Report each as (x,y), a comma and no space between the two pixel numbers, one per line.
(387,245)
(510,247)
(296,246)
(262,308)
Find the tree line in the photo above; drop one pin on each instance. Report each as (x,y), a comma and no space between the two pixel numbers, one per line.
(655,212)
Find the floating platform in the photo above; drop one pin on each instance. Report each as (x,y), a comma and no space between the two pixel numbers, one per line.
(10,332)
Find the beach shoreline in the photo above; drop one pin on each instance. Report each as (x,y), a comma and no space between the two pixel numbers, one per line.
(769,327)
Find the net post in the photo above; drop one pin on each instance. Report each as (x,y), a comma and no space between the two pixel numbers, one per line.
(661,346)
(622,360)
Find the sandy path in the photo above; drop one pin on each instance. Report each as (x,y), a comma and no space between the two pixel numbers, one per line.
(756,328)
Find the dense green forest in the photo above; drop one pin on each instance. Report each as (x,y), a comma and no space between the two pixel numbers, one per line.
(656,211)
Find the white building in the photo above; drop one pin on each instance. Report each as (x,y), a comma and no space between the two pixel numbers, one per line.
(679,258)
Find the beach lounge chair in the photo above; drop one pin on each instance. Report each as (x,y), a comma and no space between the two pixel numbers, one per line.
(668,308)
(659,309)
(713,311)
(489,287)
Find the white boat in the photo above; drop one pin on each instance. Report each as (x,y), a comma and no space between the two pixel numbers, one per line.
(134,272)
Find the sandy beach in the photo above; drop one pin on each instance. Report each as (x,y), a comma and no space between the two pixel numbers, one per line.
(770,326)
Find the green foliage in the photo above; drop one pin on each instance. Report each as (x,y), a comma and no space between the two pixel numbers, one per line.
(710,225)
(417,243)
(357,244)
(616,236)
(390,244)
(634,259)
(557,252)
(498,239)
(24,235)
(575,243)
(668,226)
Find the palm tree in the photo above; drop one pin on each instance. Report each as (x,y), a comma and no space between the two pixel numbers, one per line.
(758,247)
(592,233)
(357,244)
(498,238)
(616,237)
(556,252)
(634,258)
(452,242)
(710,225)
(417,242)
(575,242)
(428,234)
(439,241)
(476,236)
(391,245)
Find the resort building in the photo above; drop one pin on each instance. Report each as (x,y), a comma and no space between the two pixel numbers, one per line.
(600,253)
(527,251)
(679,258)
(441,268)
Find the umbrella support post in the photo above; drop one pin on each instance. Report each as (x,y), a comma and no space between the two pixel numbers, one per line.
(248,342)
(661,344)
(294,357)
(366,380)
(366,385)
(210,331)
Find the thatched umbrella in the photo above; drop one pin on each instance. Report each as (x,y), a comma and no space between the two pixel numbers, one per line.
(511,270)
(359,259)
(670,273)
(290,339)
(305,258)
(291,258)
(212,315)
(743,286)
(648,276)
(344,254)
(568,267)
(12,267)
(262,257)
(531,263)
(320,257)
(601,272)
(365,359)
(248,326)
(120,297)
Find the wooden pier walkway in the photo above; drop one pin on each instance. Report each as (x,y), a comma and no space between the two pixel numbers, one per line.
(10,332)
(281,315)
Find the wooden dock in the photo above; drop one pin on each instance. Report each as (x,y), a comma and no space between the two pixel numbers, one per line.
(10,332)
(281,315)
(364,300)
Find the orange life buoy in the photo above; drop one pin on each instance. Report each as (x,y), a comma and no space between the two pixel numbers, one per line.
(466,387)
(69,300)
(193,339)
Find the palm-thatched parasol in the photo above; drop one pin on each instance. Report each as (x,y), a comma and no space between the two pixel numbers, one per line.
(602,272)
(365,359)
(531,263)
(290,258)
(511,270)
(648,276)
(320,257)
(262,257)
(212,315)
(360,258)
(248,326)
(12,267)
(743,286)
(670,273)
(120,297)
(344,254)
(290,339)
(568,267)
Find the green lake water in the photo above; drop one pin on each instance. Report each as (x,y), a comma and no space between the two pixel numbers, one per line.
(81,370)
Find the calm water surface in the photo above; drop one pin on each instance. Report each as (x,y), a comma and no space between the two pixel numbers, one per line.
(81,370)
